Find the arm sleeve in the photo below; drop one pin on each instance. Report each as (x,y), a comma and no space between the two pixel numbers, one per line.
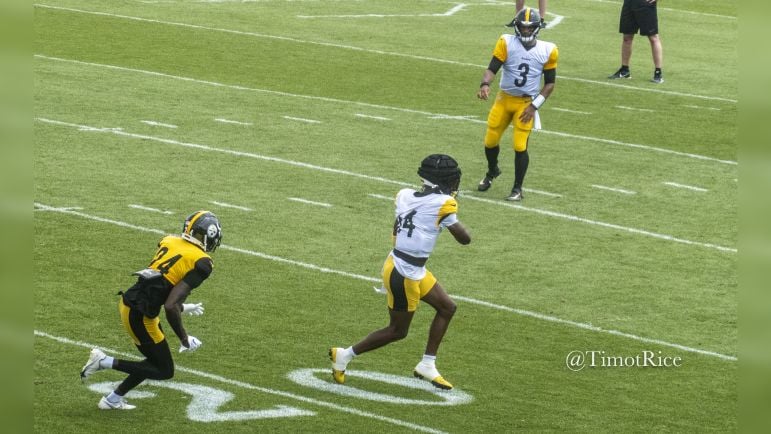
(495,65)
(201,271)
(549,76)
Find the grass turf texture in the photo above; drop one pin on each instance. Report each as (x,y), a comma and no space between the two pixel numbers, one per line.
(264,318)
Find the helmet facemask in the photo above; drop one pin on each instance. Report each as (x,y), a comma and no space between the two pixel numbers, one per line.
(526,26)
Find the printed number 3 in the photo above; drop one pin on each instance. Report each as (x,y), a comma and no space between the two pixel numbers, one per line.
(524,68)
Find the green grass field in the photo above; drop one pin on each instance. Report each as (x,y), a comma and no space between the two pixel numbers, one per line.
(626,242)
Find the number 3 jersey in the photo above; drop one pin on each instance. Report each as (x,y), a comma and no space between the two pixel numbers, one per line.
(522,68)
(420,218)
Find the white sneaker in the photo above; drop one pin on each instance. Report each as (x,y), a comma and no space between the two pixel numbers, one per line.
(429,372)
(92,365)
(104,404)
(339,363)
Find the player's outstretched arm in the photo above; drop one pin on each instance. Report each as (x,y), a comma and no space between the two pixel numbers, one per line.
(173,308)
(460,233)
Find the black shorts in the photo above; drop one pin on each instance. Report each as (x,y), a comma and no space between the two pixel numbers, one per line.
(639,15)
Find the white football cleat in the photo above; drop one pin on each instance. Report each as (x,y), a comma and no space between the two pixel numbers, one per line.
(92,365)
(105,404)
(338,364)
(428,372)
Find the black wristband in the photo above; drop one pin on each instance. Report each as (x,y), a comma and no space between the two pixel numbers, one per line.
(484,83)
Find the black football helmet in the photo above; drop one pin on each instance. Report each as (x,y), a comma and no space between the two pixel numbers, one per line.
(526,24)
(202,228)
(442,171)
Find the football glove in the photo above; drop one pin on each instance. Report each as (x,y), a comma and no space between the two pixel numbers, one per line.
(194,309)
(192,344)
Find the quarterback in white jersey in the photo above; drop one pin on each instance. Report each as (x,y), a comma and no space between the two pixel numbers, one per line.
(420,218)
(524,60)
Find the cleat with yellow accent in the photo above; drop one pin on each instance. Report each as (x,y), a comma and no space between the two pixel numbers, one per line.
(429,373)
(338,366)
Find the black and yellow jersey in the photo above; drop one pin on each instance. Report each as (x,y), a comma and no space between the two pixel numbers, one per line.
(176,260)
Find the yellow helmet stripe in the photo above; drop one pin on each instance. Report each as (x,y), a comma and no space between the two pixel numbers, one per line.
(193,220)
(527,15)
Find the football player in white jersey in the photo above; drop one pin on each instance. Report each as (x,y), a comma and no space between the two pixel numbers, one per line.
(524,59)
(420,217)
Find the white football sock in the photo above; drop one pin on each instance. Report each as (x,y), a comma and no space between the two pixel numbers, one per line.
(106,363)
(429,360)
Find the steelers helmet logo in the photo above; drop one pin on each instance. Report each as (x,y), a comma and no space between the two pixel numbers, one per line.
(212,231)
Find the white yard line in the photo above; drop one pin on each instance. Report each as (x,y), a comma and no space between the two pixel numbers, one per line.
(578,112)
(249,386)
(308,121)
(677,11)
(688,187)
(380,196)
(379,118)
(617,190)
(623,107)
(147,208)
(310,202)
(388,181)
(383,107)
(541,192)
(158,124)
(228,121)
(521,312)
(366,50)
(448,13)
(227,205)
(698,107)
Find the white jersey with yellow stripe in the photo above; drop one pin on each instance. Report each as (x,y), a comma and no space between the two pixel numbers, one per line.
(420,218)
(522,68)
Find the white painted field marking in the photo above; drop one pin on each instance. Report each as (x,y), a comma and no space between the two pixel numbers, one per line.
(623,107)
(390,181)
(688,187)
(578,112)
(147,208)
(65,208)
(380,118)
(310,202)
(367,50)
(228,121)
(309,121)
(158,124)
(678,11)
(458,117)
(541,192)
(617,190)
(698,107)
(521,312)
(379,196)
(383,107)
(227,205)
(451,12)
(594,328)
(205,403)
(308,378)
(250,386)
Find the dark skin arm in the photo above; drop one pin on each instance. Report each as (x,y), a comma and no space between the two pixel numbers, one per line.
(460,233)
(173,308)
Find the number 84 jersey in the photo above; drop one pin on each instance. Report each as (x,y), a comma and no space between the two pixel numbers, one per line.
(420,217)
